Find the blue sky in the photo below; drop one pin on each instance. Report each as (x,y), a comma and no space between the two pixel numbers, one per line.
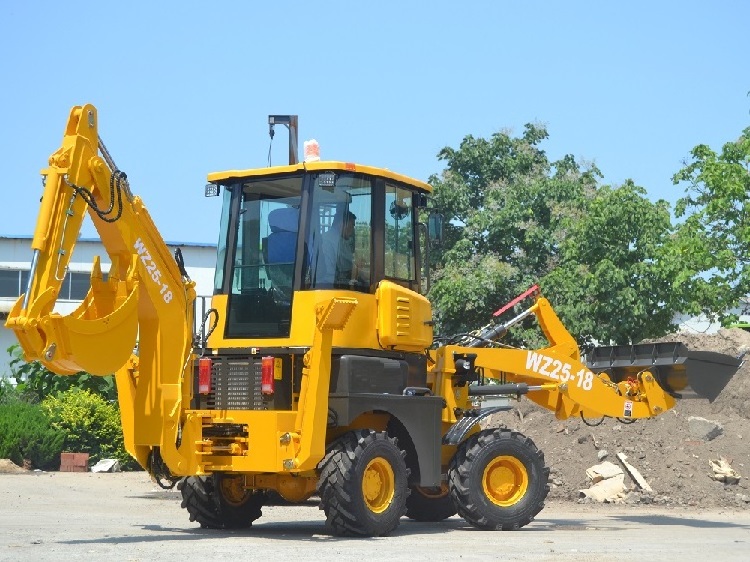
(185,88)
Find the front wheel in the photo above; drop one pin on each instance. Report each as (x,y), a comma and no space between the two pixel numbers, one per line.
(498,480)
(363,484)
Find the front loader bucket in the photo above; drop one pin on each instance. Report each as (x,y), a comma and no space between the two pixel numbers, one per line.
(681,372)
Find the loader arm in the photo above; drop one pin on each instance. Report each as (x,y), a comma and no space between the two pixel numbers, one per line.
(553,377)
(145,300)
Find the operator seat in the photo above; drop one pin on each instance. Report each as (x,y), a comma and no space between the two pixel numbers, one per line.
(280,247)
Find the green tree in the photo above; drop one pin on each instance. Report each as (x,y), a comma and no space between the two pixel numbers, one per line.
(36,382)
(515,219)
(614,279)
(504,203)
(8,391)
(713,240)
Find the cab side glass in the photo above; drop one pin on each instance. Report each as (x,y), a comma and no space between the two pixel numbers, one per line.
(399,258)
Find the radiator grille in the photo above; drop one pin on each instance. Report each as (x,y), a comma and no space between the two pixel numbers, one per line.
(235,385)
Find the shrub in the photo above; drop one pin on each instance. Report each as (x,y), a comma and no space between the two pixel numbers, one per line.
(90,424)
(27,435)
(36,382)
(8,392)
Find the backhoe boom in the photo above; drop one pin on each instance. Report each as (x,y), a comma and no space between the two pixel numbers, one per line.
(145,300)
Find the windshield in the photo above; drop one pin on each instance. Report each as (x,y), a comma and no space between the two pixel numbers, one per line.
(339,232)
(265,248)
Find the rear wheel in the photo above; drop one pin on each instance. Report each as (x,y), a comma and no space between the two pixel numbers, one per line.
(363,484)
(220,502)
(430,504)
(498,480)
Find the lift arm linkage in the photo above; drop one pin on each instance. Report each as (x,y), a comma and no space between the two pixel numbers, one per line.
(555,377)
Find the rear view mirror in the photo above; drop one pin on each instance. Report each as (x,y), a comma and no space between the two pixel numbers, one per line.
(435,227)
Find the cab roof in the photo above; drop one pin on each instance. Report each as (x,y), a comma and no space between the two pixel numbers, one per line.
(221,177)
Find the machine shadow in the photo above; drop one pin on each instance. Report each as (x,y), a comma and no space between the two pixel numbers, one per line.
(300,530)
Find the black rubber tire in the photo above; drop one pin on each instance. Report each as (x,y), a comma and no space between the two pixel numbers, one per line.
(352,460)
(206,504)
(508,455)
(430,504)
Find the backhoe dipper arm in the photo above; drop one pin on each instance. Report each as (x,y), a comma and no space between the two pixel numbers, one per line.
(145,299)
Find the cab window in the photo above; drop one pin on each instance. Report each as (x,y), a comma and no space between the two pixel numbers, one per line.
(400,263)
(340,233)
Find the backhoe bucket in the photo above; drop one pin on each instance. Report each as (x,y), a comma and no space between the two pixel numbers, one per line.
(681,372)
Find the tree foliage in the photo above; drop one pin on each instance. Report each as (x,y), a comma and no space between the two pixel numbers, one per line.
(27,436)
(89,423)
(514,219)
(45,414)
(36,382)
(8,391)
(713,240)
(613,282)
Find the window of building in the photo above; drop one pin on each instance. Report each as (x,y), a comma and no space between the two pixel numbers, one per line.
(79,285)
(9,283)
(74,287)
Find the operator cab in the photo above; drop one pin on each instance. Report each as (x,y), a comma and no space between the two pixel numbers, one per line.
(312,227)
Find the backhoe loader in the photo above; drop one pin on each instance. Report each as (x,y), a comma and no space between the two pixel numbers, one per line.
(315,372)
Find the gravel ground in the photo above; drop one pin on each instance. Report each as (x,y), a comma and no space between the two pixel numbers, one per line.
(124,516)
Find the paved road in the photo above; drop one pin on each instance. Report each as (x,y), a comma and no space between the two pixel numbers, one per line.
(73,516)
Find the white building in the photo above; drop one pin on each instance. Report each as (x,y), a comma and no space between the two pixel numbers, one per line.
(704,325)
(15,258)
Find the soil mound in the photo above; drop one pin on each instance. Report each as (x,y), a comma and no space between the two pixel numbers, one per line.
(7,466)
(673,460)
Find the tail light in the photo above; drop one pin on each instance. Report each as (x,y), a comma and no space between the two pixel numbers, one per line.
(204,375)
(266,375)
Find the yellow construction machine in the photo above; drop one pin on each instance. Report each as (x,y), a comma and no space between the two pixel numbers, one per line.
(314,372)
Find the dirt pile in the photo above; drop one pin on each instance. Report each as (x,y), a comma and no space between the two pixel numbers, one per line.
(673,460)
(7,466)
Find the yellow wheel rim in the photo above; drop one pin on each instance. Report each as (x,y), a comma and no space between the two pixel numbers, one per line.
(505,481)
(233,491)
(378,485)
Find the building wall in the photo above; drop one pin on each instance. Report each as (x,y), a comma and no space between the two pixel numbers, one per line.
(703,325)
(15,255)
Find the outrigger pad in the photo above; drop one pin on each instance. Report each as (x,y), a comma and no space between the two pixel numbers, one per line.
(679,371)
